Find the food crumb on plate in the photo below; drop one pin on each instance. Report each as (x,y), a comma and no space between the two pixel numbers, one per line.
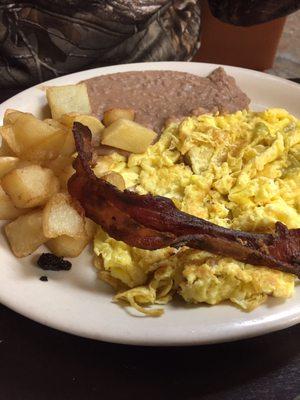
(49,261)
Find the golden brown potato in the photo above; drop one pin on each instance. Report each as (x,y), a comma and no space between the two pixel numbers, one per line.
(30,186)
(59,164)
(9,139)
(65,175)
(90,228)
(93,123)
(10,116)
(67,99)
(7,209)
(66,246)
(115,179)
(114,114)
(54,123)
(25,234)
(68,119)
(5,150)
(60,217)
(128,135)
(29,131)
(47,150)
(7,164)
(104,164)
(32,139)
(68,147)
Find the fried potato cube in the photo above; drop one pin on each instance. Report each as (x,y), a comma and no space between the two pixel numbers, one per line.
(115,179)
(65,175)
(114,114)
(7,164)
(90,228)
(60,217)
(7,209)
(128,135)
(9,140)
(68,119)
(29,131)
(25,234)
(68,147)
(35,140)
(32,139)
(88,120)
(63,169)
(69,98)
(59,164)
(30,186)
(66,246)
(93,123)
(47,150)
(10,116)
(104,165)
(5,150)
(55,124)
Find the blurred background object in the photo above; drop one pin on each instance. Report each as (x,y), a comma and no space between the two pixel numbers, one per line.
(42,39)
(251,47)
(273,46)
(287,61)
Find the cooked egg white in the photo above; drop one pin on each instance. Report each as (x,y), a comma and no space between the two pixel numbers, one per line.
(240,171)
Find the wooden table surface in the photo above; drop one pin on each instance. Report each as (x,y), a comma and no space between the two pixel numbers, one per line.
(39,363)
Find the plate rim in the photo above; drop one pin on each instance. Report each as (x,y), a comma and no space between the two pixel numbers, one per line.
(261,328)
(260,74)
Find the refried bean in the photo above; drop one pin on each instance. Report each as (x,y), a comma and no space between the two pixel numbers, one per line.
(157,96)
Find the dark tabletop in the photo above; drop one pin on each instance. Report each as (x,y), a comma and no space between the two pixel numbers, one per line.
(39,363)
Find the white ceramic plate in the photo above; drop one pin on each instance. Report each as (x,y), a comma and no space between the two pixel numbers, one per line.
(77,302)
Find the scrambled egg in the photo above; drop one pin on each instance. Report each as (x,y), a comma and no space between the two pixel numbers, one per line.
(239,171)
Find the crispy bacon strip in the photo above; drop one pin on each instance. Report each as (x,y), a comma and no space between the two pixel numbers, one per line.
(153,222)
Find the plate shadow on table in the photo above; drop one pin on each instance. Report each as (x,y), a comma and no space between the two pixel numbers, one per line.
(40,361)
(49,364)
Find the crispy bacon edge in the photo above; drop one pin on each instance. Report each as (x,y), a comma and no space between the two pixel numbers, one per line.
(153,222)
